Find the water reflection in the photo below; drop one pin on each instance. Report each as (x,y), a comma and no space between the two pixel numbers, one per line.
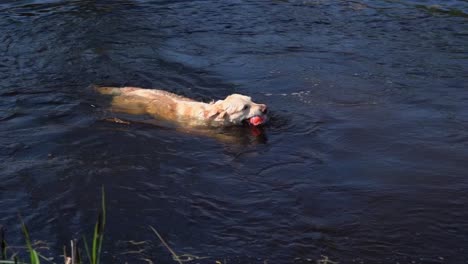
(238,135)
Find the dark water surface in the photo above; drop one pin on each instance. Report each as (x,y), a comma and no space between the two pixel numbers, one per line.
(365,159)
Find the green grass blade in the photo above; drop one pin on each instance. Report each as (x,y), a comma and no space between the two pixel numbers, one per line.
(101,237)
(26,235)
(94,252)
(78,256)
(95,243)
(99,248)
(102,224)
(87,248)
(32,253)
(34,257)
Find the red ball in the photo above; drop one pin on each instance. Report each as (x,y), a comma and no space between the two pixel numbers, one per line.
(256,120)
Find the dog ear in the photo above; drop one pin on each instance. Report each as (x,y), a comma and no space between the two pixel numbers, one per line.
(215,112)
(221,115)
(212,113)
(216,108)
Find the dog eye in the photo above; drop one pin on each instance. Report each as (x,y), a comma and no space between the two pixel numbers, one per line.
(245,107)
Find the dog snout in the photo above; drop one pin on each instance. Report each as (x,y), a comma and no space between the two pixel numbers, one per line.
(263,108)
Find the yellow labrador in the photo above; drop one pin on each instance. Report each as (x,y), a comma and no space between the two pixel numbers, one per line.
(233,110)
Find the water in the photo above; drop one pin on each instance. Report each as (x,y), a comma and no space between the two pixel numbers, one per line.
(364,160)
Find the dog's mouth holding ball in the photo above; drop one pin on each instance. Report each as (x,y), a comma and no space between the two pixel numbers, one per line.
(256,120)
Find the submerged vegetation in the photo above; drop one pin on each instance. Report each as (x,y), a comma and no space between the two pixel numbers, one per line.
(93,249)
(93,253)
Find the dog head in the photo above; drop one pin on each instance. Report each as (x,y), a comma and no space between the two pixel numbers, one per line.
(237,108)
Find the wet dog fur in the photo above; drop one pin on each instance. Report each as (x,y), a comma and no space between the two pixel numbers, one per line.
(235,109)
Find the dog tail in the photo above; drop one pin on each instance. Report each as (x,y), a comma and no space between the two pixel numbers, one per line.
(108,90)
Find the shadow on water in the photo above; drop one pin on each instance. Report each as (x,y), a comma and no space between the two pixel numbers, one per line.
(363,160)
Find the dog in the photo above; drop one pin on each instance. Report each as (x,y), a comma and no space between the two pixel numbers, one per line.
(235,109)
